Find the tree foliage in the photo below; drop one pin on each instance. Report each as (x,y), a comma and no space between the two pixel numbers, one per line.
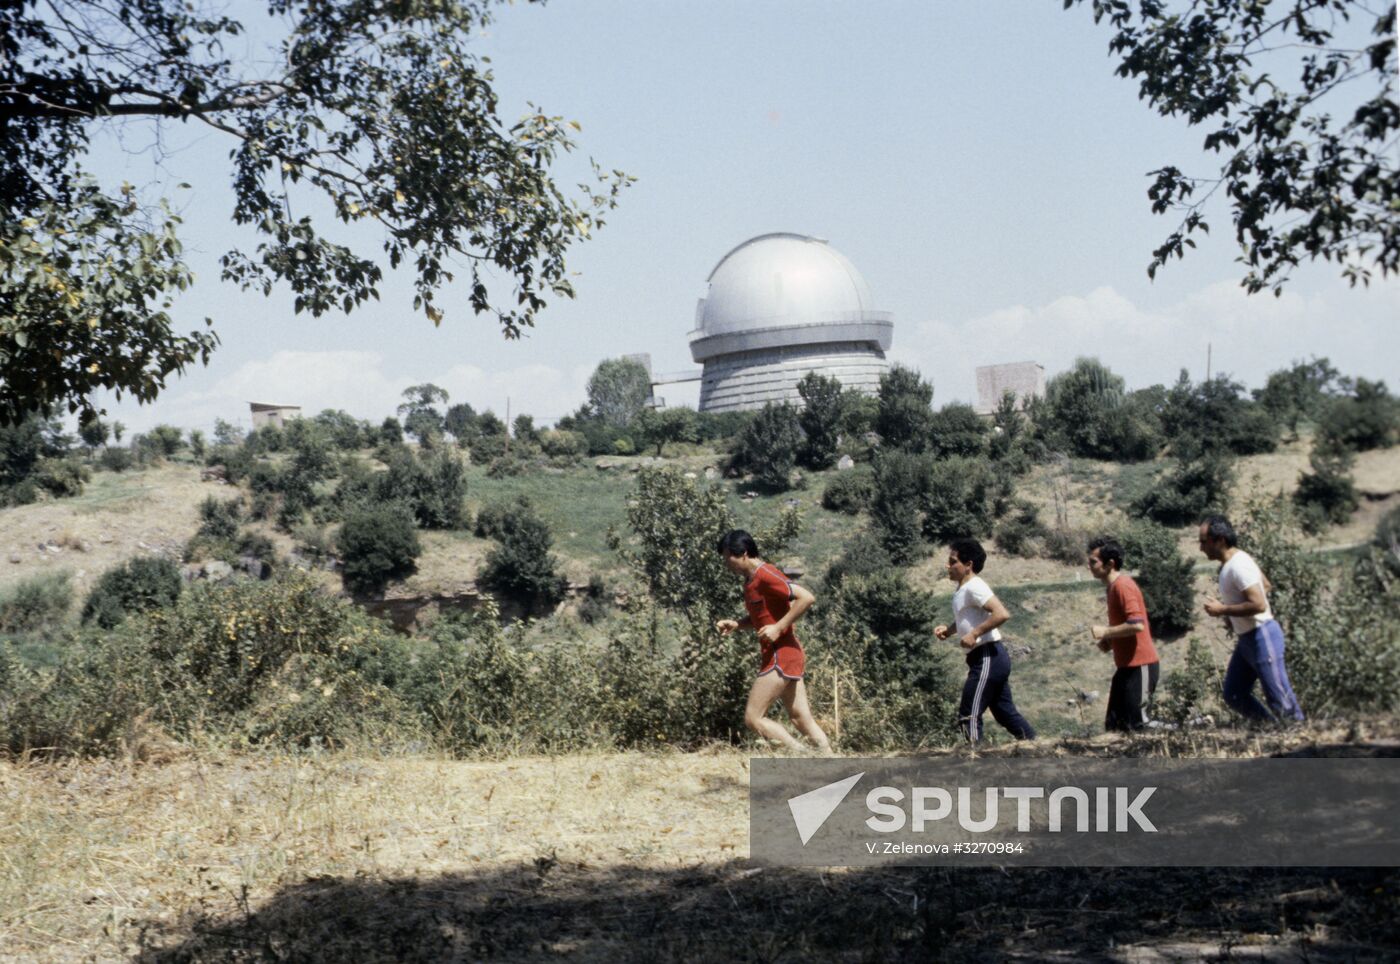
(617,391)
(1299,104)
(904,413)
(379,112)
(821,419)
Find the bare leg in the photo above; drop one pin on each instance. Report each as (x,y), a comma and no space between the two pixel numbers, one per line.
(795,699)
(766,690)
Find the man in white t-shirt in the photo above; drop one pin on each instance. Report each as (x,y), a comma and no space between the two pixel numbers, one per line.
(976,615)
(1259,638)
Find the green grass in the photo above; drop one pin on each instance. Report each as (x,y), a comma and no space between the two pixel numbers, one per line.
(578,504)
(1133,481)
(109,490)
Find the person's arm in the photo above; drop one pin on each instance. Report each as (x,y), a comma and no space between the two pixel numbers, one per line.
(802,600)
(727,626)
(1255,602)
(996,615)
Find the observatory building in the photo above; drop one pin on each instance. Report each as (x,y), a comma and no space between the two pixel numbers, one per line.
(779,306)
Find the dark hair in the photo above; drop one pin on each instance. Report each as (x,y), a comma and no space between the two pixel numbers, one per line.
(1110,552)
(737,542)
(1219,527)
(969,552)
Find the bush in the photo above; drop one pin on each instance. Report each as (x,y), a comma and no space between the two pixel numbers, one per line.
(768,447)
(115,459)
(137,586)
(1165,578)
(220,519)
(957,431)
(1341,622)
(1215,416)
(1366,418)
(165,440)
(275,662)
(1021,532)
(904,416)
(596,603)
(1326,495)
(377,544)
(506,467)
(36,605)
(433,485)
(956,503)
(1193,691)
(486,448)
(522,568)
(849,492)
(61,478)
(566,444)
(901,481)
(1189,491)
(820,420)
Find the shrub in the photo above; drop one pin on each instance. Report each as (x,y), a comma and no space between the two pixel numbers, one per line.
(115,459)
(219,519)
(901,481)
(1021,532)
(522,568)
(849,492)
(566,444)
(1368,417)
(137,586)
(61,478)
(1189,491)
(904,415)
(956,430)
(768,446)
(1326,495)
(485,448)
(1215,416)
(596,602)
(1192,691)
(433,485)
(506,467)
(36,605)
(956,502)
(165,440)
(1168,588)
(377,544)
(1342,622)
(820,420)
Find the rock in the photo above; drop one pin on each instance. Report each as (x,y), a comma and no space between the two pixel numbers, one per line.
(142,545)
(213,473)
(747,497)
(217,570)
(601,466)
(253,566)
(1021,650)
(790,503)
(104,539)
(191,572)
(16,558)
(1088,697)
(871,439)
(711,474)
(845,463)
(691,475)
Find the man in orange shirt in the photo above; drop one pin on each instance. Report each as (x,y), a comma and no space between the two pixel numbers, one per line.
(1129,635)
(774,603)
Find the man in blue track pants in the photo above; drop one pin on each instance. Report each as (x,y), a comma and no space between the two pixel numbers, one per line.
(1259,644)
(977,613)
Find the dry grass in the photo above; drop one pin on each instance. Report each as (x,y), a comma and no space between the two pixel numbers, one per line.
(605,857)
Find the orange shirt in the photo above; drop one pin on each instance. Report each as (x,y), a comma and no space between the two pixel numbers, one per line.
(1125,603)
(768,597)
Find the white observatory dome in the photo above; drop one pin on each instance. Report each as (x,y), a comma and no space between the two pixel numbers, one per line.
(780,305)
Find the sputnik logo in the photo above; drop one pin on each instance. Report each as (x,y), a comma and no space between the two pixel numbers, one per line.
(811,809)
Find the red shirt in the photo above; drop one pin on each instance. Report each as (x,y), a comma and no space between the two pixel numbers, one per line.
(767,597)
(1125,604)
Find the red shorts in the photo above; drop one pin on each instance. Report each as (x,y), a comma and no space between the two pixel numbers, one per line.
(788,660)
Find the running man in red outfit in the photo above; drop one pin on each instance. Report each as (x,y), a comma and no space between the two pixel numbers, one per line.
(774,603)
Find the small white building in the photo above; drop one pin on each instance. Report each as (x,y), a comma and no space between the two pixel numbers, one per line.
(1026,379)
(278,415)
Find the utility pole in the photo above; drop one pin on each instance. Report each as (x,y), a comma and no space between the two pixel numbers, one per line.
(507,424)
(1207,361)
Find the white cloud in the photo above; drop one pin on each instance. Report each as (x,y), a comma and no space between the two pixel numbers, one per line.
(1248,336)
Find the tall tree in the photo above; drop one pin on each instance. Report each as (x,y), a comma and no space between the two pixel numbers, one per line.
(1301,106)
(379,112)
(617,390)
(820,419)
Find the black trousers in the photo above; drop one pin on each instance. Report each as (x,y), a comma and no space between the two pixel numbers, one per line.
(988,686)
(1128,697)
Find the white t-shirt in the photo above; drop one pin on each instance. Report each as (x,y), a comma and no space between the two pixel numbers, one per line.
(970,608)
(1236,576)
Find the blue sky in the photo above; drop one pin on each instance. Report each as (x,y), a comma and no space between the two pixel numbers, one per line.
(977,161)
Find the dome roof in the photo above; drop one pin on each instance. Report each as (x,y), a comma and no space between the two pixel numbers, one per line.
(778,280)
